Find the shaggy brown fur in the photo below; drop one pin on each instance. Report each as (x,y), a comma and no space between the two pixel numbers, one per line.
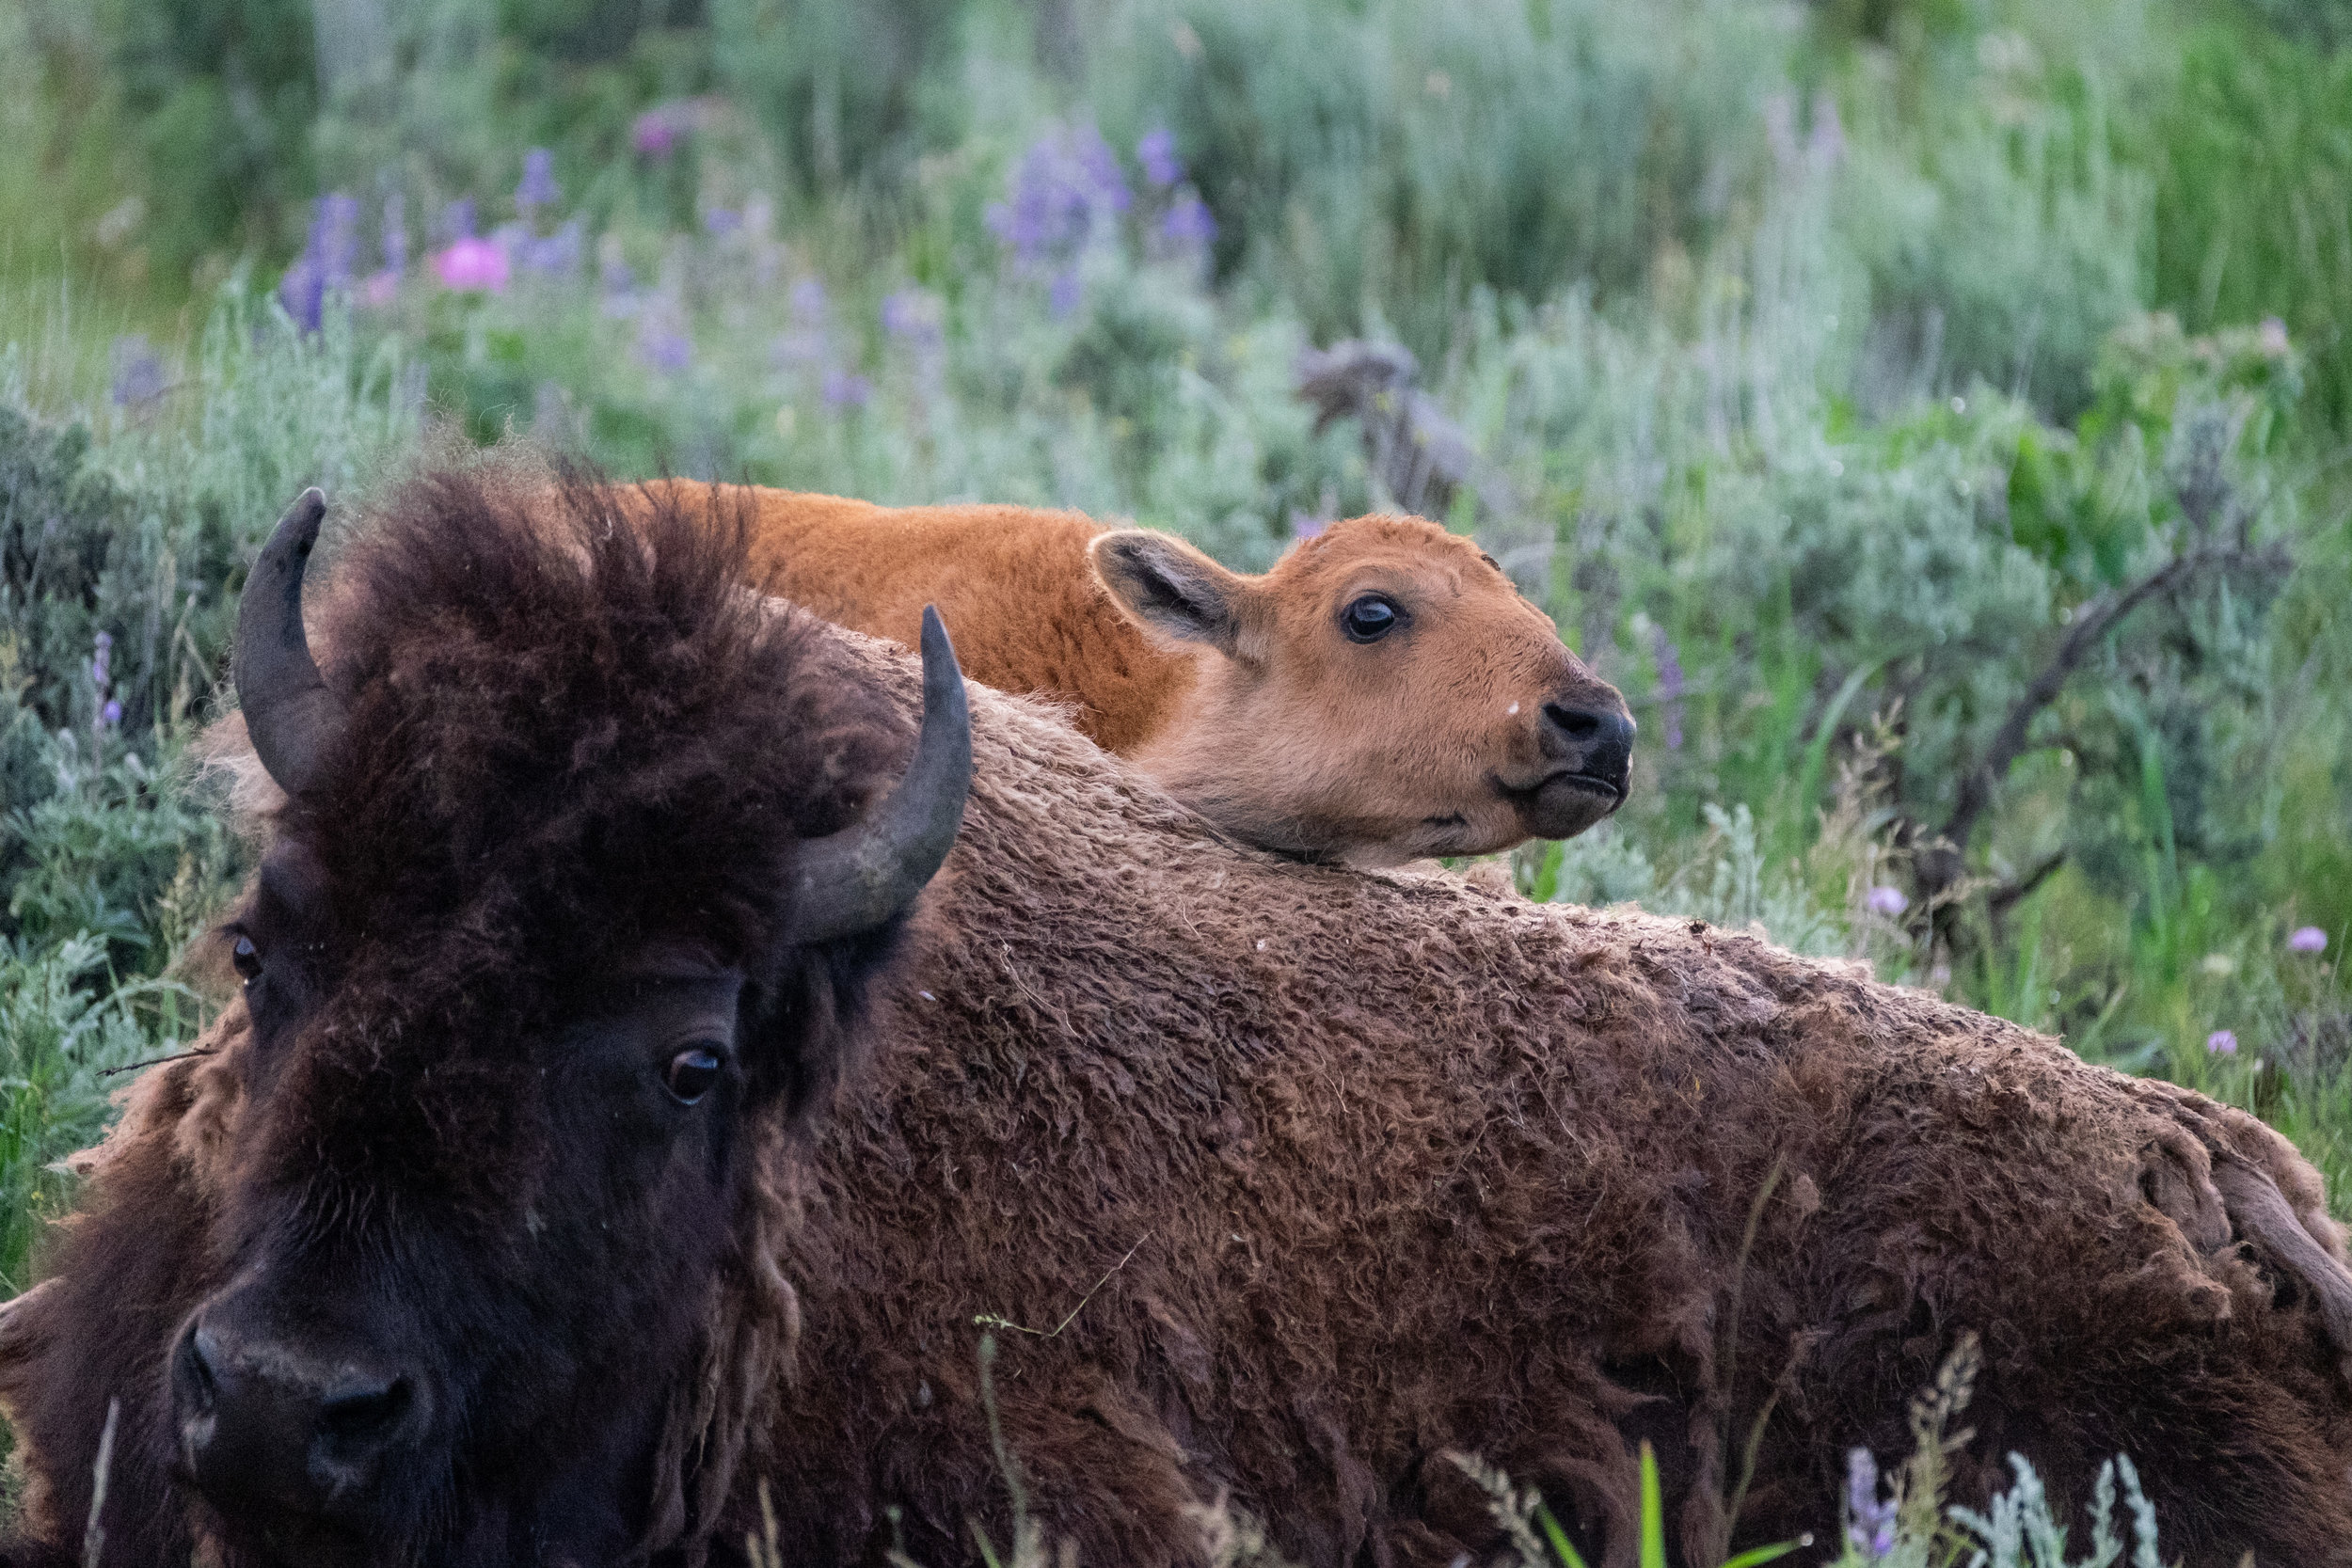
(1403,1167)
(1247,700)
(576,774)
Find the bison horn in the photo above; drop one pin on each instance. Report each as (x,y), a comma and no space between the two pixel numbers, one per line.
(854,880)
(290,714)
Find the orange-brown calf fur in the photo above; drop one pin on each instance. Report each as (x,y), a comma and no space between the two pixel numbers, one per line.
(1458,733)
(1013,582)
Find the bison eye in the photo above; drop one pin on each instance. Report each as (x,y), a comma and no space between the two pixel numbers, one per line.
(690,1073)
(247,956)
(1370,618)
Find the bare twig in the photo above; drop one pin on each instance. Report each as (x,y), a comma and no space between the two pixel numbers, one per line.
(156,1061)
(1940,863)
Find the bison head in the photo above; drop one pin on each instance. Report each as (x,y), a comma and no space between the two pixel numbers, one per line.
(583,860)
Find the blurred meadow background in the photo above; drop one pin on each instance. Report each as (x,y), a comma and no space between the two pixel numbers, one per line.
(1931,413)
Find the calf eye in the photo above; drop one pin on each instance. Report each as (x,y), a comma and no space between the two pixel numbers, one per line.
(1370,619)
(247,956)
(690,1073)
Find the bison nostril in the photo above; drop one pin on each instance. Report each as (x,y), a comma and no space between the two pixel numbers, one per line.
(1576,723)
(357,1414)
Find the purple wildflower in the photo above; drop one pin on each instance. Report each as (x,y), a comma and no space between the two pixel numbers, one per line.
(662,339)
(657,132)
(101,681)
(1825,148)
(1067,188)
(472,266)
(913,317)
(1062,295)
(808,302)
(1188,221)
(556,255)
(303,293)
(845,388)
(2221,1043)
(1888,901)
(723,221)
(327,253)
(380,290)
(456,221)
(1670,685)
(538,188)
(138,374)
(1157,153)
(1869,1521)
(2306,939)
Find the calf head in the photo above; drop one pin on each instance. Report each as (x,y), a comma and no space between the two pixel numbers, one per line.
(1382,694)
(583,860)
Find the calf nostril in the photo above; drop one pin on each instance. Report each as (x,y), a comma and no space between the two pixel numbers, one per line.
(358,1414)
(1576,723)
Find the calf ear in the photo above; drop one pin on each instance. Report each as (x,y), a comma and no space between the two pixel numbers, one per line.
(1175,590)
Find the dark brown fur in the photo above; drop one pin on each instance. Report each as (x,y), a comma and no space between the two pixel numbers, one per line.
(569,753)
(1403,1167)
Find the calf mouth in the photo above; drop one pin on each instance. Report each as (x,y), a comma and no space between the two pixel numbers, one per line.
(1563,804)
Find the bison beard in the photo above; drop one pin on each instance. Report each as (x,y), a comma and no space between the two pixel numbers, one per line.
(1405,1167)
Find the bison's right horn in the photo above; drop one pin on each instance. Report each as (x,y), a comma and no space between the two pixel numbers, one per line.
(858,879)
(289,712)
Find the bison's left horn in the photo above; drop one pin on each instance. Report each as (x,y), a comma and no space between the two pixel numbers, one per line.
(858,879)
(289,712)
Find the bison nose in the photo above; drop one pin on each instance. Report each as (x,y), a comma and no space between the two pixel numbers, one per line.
(264,1421)
(1597,742)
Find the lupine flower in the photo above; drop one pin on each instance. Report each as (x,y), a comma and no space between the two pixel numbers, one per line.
(1188,221)
(1888,901)
(808,302)
(1869,1521)
(615,279)
(327,253)
(913,317)
(845,388)
(472,266)
(2221,1043)
(1157,153)
(723,221)
(1825,148)
(1062,295)
(662,339)
(538,188)
(102,683)
(380,290)
(555,255)
(657,132)
(1670,686)
(138,374)
(2306,939)
(457,220)
(1067,189)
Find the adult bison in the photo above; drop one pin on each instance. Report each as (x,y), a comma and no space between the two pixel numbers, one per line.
(1384,693)
(1394,1167)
